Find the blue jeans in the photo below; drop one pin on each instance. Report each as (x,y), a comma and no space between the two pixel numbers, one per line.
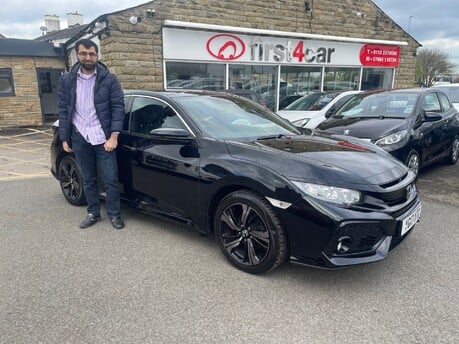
(89,159)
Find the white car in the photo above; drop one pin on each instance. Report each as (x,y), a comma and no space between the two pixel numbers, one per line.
(309,111)
(452,90)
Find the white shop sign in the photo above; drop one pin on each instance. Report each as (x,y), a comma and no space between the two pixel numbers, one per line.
(194,45)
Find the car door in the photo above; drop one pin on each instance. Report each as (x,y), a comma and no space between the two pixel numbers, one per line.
(160,172)
(431,131)
(450,123)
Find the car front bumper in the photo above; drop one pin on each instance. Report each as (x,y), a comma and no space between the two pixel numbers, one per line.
(330,240)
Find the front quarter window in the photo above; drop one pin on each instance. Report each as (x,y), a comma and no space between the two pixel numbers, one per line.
(148,114)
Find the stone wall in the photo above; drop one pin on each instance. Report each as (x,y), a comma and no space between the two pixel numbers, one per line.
(24,108)
(134,51)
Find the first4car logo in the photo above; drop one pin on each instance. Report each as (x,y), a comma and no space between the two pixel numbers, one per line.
(228,47)
(225,47)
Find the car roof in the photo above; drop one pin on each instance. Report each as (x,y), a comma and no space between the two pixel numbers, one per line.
(446,86)
(417,90)
(171,94)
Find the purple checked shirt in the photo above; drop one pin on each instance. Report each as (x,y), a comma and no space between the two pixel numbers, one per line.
(84,118)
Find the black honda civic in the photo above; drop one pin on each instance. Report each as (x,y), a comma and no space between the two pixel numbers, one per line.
(270,194)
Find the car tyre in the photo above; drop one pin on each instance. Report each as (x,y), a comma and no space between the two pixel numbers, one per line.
(454,152)
(249,232)
(413,162)
(71,182)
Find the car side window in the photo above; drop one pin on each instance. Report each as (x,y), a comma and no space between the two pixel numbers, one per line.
(445,104)
(431,103)
(148,114)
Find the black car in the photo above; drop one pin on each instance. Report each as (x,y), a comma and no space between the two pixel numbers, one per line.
(223,164)
(418,126)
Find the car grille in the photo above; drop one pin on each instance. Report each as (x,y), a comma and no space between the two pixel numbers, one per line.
(391,196)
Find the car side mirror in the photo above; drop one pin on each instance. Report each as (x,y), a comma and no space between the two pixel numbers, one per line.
(304,131)
(432,116)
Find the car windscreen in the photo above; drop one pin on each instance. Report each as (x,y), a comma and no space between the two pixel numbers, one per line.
(382,105)
(304,103)
(230,118)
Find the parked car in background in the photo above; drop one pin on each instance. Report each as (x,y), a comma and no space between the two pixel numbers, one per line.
(309,111)
(287,100)
(224,165)
(452,90)
(418,126)
(253,96)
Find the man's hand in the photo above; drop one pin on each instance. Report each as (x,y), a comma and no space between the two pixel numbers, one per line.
(111,143)
(66,147)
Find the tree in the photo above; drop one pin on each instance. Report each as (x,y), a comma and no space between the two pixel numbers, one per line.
(431,63)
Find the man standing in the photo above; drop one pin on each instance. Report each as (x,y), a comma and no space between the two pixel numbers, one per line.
(91,111)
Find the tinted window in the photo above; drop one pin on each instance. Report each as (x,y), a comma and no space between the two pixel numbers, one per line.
(148,114)
(386,104)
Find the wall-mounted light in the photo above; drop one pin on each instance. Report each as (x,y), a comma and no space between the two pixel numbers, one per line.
(360,14)
(307,6)
(134,20)
(151,13)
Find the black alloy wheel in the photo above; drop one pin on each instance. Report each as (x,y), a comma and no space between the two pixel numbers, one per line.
(413,162)
(249,232)
(71,182)
(454,152)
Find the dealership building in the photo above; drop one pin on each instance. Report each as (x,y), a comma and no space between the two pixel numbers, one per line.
(277,49)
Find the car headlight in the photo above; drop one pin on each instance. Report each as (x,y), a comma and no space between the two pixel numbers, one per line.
(392,139)
(329,193)
(301,122)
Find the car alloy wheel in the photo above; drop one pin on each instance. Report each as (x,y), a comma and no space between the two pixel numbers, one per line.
(413,162)
(249,232)
(71,182)
(454,152)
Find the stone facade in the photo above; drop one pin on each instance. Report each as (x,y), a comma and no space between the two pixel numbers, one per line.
(134,51)
(24,108)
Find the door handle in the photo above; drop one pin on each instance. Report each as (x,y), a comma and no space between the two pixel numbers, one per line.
(130,148)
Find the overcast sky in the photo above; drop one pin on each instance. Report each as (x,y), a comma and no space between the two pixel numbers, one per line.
(432,23)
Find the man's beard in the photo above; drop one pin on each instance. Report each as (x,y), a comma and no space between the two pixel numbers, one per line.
(89,67)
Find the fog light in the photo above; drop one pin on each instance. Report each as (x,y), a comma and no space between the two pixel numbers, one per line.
(344,244)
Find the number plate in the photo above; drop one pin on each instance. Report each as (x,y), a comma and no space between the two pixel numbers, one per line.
(409,221)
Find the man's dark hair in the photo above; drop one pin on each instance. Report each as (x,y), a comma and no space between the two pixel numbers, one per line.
(87,43)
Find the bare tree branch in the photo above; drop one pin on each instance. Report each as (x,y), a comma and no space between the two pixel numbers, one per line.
(431,63)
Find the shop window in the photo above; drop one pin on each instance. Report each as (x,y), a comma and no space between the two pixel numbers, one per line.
(259,79)
(341,79)
(301,80)
(202,76)
(6,82)
(375,78)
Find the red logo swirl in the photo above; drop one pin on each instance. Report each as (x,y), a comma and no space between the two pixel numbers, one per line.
(225,46)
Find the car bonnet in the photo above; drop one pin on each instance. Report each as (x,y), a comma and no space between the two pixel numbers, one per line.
(322,160)
(368,128)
